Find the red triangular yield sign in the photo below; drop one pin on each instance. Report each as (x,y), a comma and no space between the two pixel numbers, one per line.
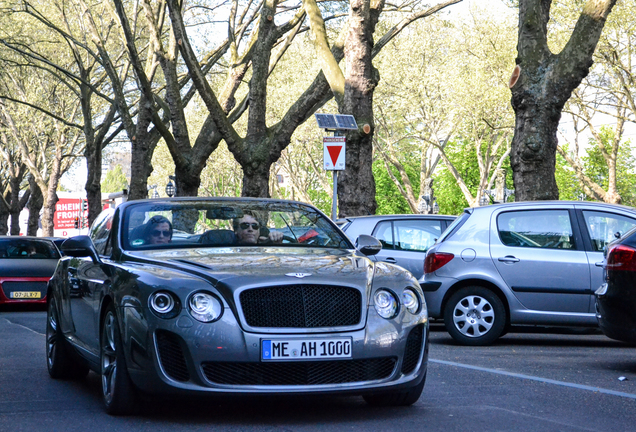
(334,152)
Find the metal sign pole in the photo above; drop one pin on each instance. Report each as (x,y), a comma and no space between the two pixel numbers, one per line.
(334,155)
(334,205)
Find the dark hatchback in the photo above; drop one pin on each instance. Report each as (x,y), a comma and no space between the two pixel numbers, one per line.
(616,298)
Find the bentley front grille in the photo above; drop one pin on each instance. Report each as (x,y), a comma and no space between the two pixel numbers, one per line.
(299,373)
(302,306)
(413,349)
(171,356)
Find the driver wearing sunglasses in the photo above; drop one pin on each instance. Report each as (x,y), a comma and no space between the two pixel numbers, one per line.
(158,230)
(248,231)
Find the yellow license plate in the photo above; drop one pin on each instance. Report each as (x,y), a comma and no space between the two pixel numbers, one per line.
(26,294)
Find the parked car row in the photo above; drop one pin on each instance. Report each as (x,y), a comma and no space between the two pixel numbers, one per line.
(245,296)
(532,263)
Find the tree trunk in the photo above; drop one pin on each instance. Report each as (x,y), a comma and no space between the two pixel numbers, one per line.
(35,205)
(143,146)
(533,154)
(356,185)
(16,204)
(4,220)
(541,84)
(256,179)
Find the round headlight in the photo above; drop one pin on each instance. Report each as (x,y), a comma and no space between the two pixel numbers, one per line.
(162,302)
(411,301)
(205,307)
(385,303)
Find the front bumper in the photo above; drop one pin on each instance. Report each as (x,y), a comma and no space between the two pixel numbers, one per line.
(184,356)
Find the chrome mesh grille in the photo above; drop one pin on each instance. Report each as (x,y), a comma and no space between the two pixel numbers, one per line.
(299,373)
(413,349)
(171,356)
(302,306)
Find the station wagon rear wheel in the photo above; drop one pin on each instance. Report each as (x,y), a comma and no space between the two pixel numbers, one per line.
(60,360)
(117,389)
(475,316)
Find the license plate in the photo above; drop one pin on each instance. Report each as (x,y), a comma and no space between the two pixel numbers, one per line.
(26,294)
(301,349)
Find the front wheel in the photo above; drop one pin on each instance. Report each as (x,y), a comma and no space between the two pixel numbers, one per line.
(117,389)
(475,316)
(396,398)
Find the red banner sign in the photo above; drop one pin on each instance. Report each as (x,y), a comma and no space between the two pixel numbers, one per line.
(66,210)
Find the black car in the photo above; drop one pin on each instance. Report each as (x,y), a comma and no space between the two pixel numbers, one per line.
(616,298)
(26,265)
(245,296)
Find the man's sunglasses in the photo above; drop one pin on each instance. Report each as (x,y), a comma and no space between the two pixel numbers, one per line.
(157,233)
(246,225)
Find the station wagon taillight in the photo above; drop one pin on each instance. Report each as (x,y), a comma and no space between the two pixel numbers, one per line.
(436,260)
(621,258)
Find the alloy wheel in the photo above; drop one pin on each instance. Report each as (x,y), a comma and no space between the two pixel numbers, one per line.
(51,335)
(109,358)
(473,316)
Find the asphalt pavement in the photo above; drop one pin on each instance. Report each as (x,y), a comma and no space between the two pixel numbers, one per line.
(529,380)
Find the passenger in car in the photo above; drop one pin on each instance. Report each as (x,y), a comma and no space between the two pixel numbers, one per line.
(158,230)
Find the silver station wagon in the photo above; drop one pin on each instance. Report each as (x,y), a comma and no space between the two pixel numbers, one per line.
(529,263)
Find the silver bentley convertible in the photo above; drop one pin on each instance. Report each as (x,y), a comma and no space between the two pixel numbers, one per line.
(206,296)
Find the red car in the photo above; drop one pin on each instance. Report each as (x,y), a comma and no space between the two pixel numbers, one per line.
(26,265)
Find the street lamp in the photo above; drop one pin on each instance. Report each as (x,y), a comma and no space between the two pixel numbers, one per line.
(171,188)
(435,208)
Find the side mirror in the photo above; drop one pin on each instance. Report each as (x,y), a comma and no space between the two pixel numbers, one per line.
(80,247)
(368,245)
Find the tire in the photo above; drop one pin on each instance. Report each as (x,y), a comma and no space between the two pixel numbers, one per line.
(118,391)
(396,398)
(61,362)
(475,316)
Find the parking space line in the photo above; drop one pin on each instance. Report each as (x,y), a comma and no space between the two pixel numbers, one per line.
(534,378)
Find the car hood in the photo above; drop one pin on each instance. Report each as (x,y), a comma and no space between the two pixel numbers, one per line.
(239,267)
(27,268)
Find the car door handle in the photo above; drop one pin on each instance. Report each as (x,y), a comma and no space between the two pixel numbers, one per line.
(390,260)
(599,264)
(508,259)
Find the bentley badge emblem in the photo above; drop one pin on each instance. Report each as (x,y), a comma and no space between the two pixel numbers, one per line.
(298,275)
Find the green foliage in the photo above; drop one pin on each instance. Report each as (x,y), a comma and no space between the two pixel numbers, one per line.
(114,181)
(596,167)
(450,198)
(568,184)
(387,195)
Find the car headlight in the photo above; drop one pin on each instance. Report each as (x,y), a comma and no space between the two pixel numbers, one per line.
(411,301)
(164,305)
(205,307)
(386,304)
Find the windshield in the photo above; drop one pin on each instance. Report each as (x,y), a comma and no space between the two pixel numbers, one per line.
(27,249)
(215,222)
